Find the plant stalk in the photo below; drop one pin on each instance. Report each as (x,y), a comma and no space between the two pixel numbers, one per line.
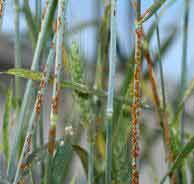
(136,97)
(17,48)
(184,63)
(160,62)
(57,76)
(111,85)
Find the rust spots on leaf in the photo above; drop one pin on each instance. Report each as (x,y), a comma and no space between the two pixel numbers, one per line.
(55,102)
(45,9)
(52,142)
(23,166)
(38,104)
(135,175)
(27,151)
(55,27)
(136,105)
(43,82)
(28,145)
(58,23)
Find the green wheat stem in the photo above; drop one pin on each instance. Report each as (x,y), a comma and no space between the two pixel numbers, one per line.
(160,62)
(58,63)
(91,158)
(41,140)
(111,85)
(92,131)
(34,115)
(30,22)
(17,48)
(25,102)
(38,13)
(183,81)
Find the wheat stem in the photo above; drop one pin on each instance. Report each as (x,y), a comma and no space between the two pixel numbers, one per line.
(183,82)
(17,48)
(136,97)
(57,76)
(160,62)
(111,85)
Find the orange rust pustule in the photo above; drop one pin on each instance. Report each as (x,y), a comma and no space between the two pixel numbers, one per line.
(58,23)
(55,27)
(135,175)
(52,138)
(55,102)
(23,166)
(38,104)
(43,82)
(44,10)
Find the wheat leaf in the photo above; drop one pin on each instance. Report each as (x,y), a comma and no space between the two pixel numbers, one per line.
(187,149)
(83,155)
(6,120)
(152,10)
(80,88)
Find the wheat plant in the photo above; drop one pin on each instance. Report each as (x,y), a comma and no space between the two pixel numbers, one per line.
(60,97)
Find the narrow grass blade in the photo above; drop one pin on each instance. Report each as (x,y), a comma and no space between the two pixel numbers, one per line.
(6,121)
(160,62)
(30,22)
(110,98)
(61,162)
(38,13)
(151,10)
(186,95)
(186,150)
(183,81)
(165,46)
(17,48)
(83,155)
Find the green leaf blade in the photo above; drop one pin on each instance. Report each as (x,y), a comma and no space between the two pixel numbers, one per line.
(6,121)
